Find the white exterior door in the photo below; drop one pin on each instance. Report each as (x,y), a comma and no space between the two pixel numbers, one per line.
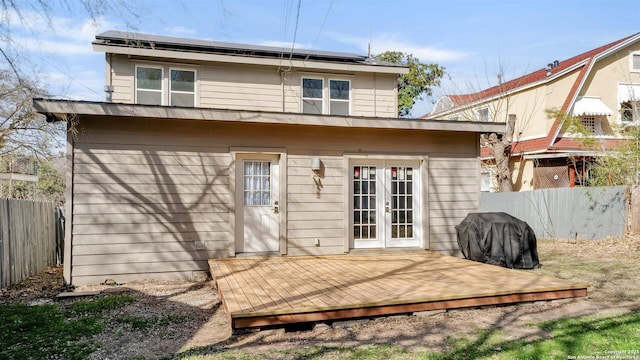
(385,204)
(258,181)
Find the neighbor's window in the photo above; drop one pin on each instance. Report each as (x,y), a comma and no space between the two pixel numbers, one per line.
(183,88)
(312,102)
(148,85)
(629,111)
(483,114)
(339,97)
(486,180)
(635,62)
(591,125)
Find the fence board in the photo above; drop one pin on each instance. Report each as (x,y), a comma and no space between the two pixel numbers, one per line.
(590,213)
(27,239)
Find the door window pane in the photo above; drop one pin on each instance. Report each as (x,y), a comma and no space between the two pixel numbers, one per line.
(364,214)
(257,183)
(402,201)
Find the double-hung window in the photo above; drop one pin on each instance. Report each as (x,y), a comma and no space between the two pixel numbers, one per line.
(339,97)
(149,85)
(635,61)
(182,88)
(483,114)
(318,98)
(312,99)
(151,82)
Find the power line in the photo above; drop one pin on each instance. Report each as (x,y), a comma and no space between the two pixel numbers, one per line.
(295,30)
(322,26)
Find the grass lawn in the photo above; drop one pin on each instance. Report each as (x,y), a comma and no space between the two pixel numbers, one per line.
(73,329)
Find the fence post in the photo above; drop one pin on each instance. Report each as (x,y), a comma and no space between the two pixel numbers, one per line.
(635,210)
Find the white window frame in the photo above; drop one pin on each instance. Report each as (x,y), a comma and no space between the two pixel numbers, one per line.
(162,82)
(326,94)
(484,173)
(338,100)
(482,109)
(303,98)
(195,84)
(631,56)
(629,92)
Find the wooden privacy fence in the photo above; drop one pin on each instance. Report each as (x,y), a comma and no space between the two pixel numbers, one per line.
(27,239)
(590,213)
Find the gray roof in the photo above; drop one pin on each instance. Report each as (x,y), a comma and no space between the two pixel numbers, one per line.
(131,39)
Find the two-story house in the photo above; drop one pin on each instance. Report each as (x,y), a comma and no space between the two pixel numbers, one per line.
(599,89)
(210,150)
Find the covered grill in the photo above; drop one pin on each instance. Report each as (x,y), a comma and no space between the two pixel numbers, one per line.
(498,238)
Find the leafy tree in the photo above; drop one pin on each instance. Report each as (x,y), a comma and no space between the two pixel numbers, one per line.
(619,166)
(420,80)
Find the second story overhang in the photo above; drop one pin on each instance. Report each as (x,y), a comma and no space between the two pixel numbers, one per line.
(165,47)
(57,110)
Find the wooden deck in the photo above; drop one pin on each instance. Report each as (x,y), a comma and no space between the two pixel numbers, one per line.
(282,290)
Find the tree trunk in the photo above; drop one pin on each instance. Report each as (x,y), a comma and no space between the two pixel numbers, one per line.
(502,153)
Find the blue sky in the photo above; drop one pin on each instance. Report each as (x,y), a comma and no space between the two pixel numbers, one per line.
(473,40)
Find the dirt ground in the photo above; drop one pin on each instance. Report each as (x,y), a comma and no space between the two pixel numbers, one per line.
(610,266)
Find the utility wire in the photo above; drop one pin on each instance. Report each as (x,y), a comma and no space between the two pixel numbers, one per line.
(295,30)
(322,26)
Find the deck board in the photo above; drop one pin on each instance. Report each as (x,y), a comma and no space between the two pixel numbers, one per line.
(268,291)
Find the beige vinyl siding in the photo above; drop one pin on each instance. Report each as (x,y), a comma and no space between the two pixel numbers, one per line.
(240,88)
(453,193)
(139,209)
(122,76)
(258,88)
(145,190)
(315,213)
(375,95)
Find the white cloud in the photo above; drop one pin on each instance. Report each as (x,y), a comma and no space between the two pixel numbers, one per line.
(392,42)
(61,35)
(180,30)
(53,46)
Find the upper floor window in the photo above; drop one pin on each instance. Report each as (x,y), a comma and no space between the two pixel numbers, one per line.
(482,114)
(312,90)
(314,94)
(183,88)
(339,97)
(149,85)
(635,62)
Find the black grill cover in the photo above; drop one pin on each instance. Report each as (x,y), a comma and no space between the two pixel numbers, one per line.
(498,239)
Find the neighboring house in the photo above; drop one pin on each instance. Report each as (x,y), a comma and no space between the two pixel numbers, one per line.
(212,150)
(600,87)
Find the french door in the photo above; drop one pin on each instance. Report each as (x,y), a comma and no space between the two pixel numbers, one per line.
(384,204)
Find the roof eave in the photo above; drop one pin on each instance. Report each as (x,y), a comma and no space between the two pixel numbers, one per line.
(248,60)
(61,108)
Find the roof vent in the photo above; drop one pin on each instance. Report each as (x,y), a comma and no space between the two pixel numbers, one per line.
(551,66)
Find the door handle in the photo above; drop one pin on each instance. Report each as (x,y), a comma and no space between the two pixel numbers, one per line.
(387,207)
(276,207)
